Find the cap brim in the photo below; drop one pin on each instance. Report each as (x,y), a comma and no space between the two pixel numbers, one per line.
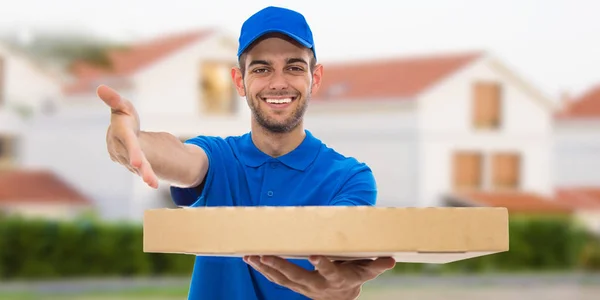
(262,33)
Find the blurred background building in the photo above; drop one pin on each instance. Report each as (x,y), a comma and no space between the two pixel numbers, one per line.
(439,127)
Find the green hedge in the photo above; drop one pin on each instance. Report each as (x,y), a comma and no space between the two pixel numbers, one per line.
(44,249)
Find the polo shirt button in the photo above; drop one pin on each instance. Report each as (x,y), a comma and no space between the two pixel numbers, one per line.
(270,193)
(273,165)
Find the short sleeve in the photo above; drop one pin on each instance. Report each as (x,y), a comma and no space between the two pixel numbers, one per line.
(190,196)
(359,189)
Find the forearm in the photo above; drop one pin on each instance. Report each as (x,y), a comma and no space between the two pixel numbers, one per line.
(173,161)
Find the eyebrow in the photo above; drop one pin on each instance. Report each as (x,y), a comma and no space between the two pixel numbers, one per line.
(258,62)
(288,61)
(296,60)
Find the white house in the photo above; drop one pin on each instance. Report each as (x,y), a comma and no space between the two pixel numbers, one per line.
(179,83)
(577,141)
(26,89)
(25,85)
(173,81)
(441,129)
(577,154)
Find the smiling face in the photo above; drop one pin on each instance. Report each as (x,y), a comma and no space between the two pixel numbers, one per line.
(277,77)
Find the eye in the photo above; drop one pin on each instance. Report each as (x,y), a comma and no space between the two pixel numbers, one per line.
(296,68)
(259,70)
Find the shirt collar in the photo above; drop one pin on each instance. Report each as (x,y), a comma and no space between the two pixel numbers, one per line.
(299,158)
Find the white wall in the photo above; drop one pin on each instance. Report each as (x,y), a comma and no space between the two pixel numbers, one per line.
(170,86)
(73,145)
(188,126)
(11,123)
(27,84)
(577,153)
(447,107)
(445,126)
(90,101)
(385,141)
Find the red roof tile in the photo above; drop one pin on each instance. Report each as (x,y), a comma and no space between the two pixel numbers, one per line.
(390,78)
(515,202)
(580,197)
(23,186)
(585,106)
(125,62)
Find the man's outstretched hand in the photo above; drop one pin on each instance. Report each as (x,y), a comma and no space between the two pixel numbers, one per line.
(330,280)
(122,137)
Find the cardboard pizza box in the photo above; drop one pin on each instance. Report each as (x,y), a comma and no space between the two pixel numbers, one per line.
(417,235)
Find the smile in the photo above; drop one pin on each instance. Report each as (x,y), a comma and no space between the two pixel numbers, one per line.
(278,101)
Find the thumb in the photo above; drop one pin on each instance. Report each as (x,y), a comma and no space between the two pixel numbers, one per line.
(383,263)
(111,98)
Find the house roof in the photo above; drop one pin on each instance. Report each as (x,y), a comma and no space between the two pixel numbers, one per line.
(37,186)
(125,62)
(585,106)
(587,198)
(515,202)
(389,78)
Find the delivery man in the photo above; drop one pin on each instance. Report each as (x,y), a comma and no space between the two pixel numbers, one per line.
(278,163)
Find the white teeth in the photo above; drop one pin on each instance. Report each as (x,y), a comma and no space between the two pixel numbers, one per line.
(279,101)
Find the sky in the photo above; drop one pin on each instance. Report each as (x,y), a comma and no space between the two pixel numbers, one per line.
(553,44)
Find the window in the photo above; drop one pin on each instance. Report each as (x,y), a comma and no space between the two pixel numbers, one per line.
(3,147)
(6,152)
(467,170)
(506,170)
(216,88)
(486,105)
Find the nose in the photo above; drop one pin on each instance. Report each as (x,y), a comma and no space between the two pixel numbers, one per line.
(278,81)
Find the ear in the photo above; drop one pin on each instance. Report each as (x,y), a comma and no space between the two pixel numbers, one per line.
(238,80)
(316,78)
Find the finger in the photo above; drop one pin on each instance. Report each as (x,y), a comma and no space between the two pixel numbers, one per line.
(375,268)
(148,174)
(133,148)
(131,169)
(326,268)
(292,271)
(274,275)
(382,264)
(110,97)
(123,161)
(137,162)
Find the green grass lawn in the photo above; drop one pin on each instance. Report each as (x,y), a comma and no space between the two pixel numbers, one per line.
(146,293)
(557,286)
(171,293)
(369,293)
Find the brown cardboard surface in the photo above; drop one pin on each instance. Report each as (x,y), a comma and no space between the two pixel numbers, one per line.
(420,235)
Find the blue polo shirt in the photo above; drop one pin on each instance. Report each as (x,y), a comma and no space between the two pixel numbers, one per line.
(239,174)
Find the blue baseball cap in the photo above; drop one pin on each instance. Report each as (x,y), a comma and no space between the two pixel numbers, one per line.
(276,19)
